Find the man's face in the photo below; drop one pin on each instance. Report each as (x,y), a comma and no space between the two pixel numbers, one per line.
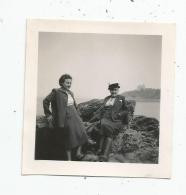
(67,83)
(114,92)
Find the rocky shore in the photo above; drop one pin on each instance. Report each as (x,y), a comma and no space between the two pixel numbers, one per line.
(137,142)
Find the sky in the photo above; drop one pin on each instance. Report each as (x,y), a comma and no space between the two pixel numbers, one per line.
(95,60)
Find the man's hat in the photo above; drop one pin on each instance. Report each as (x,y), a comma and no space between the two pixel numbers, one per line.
(113,86)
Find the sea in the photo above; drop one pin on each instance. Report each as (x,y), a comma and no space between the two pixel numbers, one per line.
(149,109)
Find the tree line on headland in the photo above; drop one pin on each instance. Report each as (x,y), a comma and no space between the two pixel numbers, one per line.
(143,94)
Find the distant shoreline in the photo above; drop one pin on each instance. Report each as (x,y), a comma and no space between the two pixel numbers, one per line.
(143,100)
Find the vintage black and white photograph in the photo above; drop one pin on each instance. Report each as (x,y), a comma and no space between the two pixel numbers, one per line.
(99,98)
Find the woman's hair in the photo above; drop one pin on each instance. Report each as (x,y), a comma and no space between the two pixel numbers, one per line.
(63,77)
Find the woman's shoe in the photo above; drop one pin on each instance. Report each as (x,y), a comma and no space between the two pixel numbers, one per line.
(80,156)
(99,151)
(103,158)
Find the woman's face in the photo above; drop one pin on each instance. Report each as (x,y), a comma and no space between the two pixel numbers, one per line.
(114,92)
(67,83)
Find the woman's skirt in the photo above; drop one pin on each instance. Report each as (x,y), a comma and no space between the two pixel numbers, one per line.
(74,130)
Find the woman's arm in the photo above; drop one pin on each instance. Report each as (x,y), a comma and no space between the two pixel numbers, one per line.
(47,102)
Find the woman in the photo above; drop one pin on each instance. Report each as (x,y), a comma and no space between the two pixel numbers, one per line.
(113,115)
(64,116)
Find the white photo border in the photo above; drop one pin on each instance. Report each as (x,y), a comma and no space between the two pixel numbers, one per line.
(30,166)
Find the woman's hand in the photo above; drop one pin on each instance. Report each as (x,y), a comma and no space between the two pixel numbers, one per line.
(50,121)
(49,118)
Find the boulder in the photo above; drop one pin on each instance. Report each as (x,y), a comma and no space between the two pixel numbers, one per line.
(117,158)
(136,146)
(91,158)
(86,109)
(142,123)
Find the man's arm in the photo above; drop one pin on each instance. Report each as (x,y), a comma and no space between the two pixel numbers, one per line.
(123,114)
(124,105)
(96,115)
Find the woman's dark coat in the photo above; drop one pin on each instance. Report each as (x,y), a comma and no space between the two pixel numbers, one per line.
(58,99)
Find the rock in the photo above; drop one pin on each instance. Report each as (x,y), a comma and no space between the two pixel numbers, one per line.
(136,146)
(142,123)
(49,145)
(117,143)
(87,109)
(132,157)
(117,158)
(90,158)
(112,159)
(131,141)
(148,154)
